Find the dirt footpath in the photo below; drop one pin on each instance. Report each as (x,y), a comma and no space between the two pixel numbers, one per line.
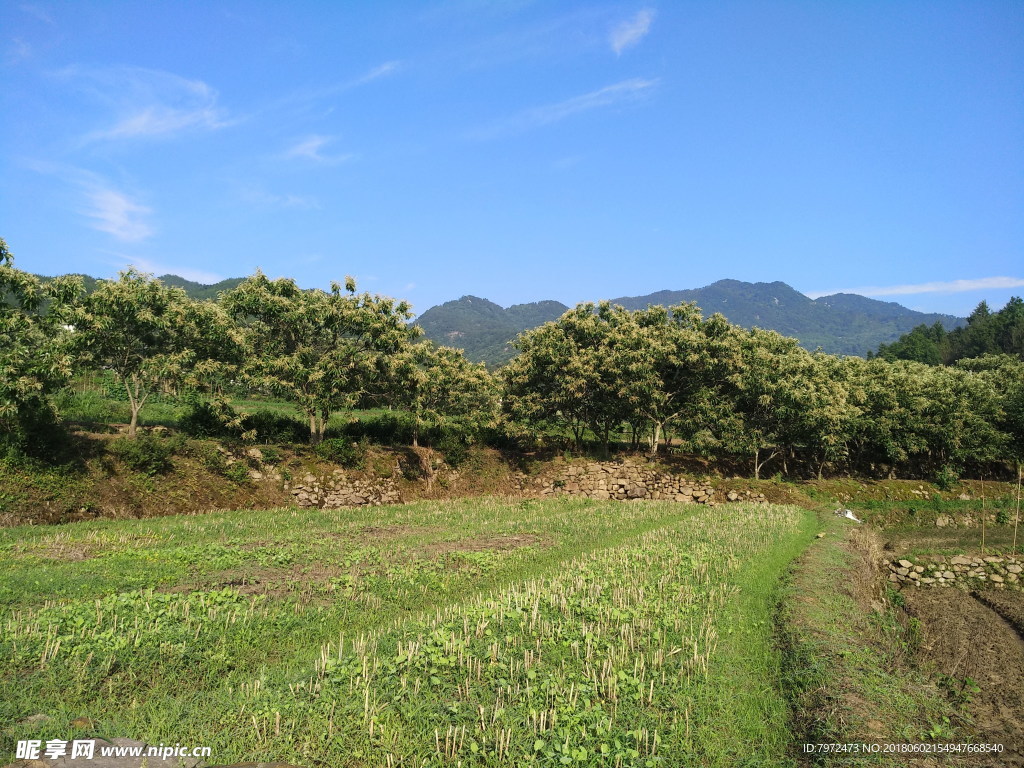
(978,637)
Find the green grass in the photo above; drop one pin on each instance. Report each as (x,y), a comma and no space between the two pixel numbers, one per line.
(93,407)
(849,666)
(474,632)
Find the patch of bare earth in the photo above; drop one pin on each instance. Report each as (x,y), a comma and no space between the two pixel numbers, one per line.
(977,636)
(302,581)
(65,552)
(483,544)
(306,580)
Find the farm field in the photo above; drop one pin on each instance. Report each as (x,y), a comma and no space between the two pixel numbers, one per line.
(476,632)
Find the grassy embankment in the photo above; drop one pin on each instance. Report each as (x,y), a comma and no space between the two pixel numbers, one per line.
(547,633)
(849,657)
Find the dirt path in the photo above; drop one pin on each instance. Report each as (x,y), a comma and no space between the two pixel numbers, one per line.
(966,636)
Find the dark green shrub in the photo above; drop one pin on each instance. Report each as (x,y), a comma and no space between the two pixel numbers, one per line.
(208,455)
(35,433)
(344,452)
(237,473)
(204,419)
(272,427)
(271,455)
(386,428)
(453,443)
(144,453)
(947,478)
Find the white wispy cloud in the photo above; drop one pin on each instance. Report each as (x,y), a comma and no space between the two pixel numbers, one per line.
(385,69)
(310,148)
(108,207)
(115,213)
(260,196)
(617,93)
(148,103)
(17,51)
(951,286)
(628,33)
(305,96)
(37,12)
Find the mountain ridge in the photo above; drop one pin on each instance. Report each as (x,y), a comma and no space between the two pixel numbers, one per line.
(841,323)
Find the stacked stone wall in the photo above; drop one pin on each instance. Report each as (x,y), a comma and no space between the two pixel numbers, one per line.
(960,570)
(625,481)
(338,490)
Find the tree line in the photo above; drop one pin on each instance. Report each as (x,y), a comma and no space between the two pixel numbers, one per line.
(986,333)
(598,376)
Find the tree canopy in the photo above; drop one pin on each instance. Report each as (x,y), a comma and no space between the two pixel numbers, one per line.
(322,350)
(986,333)
(148,334)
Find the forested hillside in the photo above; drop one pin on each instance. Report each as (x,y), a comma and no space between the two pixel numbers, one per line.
(842,324)
(986,333)
(483,329)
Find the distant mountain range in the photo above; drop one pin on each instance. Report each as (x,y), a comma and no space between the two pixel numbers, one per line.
(842,324)
(192,288)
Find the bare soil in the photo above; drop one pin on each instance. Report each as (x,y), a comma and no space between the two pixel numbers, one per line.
(977,636)
(492,543)
(305,580)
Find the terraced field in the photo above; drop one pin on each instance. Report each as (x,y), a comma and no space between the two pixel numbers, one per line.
(468,633)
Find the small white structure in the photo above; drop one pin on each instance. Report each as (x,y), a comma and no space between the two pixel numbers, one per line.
(847,514)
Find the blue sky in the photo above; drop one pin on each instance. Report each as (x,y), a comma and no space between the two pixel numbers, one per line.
(522,150)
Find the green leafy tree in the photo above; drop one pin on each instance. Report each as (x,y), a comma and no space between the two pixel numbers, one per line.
(1005,374)
(772,392)
(572,374)
(825,428)
(676,364)
(325,351)
(924,344)
(32,364)
(961,414)
(886,429)
(149,335)
(441,388)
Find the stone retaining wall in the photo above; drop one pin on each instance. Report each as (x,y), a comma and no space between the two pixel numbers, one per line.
(612,480)
(338,490)
(595,480)
(964,570)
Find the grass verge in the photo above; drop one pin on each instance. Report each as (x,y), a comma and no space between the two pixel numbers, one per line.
(847,657)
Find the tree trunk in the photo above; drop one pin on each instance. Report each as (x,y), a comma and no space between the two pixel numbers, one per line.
(314,435)
(758,464)
(135,401)
(655,439)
